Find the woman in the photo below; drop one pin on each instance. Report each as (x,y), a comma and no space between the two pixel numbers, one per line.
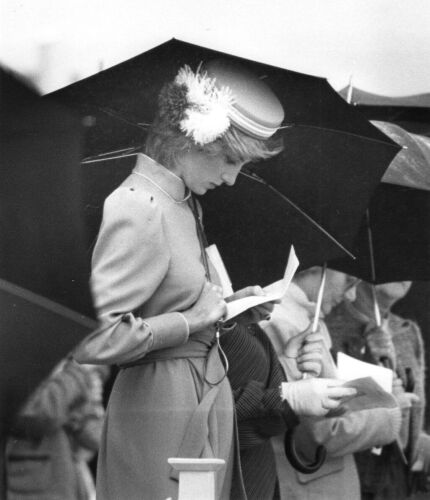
(337,479)
(256,375)
(152,289)
(399,342)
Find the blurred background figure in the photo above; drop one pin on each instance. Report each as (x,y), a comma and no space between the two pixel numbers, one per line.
(398,344)
(56,434)
(342,436)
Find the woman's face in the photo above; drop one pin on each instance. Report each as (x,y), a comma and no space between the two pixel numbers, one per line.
(201,171)
(339,286)
(389,293)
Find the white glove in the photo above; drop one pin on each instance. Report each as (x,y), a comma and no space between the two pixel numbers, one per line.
(314,397)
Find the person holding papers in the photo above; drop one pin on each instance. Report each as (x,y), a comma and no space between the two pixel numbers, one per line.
(398,343)
(158,301)
(289,330)
(256,377)
(263,410)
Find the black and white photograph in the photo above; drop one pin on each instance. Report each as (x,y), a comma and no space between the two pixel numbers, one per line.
(214,250)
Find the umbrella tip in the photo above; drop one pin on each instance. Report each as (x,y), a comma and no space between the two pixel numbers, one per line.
(405,147)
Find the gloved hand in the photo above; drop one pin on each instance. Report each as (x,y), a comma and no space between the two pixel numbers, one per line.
(421,467)
(306,348)
(422,461)
(315,397)
(405,400)
(380,344)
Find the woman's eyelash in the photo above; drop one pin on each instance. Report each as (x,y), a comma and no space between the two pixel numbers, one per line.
(229,160)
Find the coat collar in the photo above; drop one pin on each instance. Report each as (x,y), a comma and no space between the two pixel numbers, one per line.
(161,177)
(299,297)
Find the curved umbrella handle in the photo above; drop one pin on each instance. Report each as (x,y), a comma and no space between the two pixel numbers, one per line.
(296,461)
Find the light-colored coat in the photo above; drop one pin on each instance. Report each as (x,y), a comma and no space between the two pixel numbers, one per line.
(146,267)
(337,479)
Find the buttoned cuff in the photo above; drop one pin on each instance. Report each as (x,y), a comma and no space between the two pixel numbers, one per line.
(168,330)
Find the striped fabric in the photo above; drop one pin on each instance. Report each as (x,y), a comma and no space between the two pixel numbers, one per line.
(250,126)
(255,376)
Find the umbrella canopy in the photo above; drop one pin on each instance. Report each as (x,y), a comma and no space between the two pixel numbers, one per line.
(411,112)
(44,294)
(398,218)
(321,169)
(361,97)
(411,167)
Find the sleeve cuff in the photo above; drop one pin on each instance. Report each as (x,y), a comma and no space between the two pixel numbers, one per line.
(168,330)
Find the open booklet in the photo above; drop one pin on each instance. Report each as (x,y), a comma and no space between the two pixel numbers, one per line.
(370,395)
(349,368)
(275,291)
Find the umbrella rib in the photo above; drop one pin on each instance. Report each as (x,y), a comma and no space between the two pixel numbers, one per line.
(114,114)
(390,142)
(105,158)
(108,153)
(257,178)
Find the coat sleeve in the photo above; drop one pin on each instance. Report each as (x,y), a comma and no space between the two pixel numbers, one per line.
(355,431)
(260,411)
(130,260)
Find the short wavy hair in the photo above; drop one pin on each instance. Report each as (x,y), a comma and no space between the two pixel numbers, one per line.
(165,142)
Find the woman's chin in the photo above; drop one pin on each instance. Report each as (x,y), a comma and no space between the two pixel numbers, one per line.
(199,190)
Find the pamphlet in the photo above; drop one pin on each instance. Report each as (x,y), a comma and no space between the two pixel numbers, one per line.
(350,369)
(369,395)
(275,291)
(216,260)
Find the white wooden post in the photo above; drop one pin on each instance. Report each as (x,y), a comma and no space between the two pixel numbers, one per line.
(197,477)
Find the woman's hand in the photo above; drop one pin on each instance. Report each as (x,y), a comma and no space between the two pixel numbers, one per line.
(254,314)
(315,397)
(209,308)
(405,400)
(380,345)
(422,460)
(306,349)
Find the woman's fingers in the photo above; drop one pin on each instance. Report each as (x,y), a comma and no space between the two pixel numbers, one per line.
(314,337)
(330,404)
(264,310)
(341,392)
(311,347)
(309,356)
(246,292)
(310,367)
(209,308)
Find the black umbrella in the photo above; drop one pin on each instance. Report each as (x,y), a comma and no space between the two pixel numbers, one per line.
(411,112)
(44,294)
(321,169)
(393,243)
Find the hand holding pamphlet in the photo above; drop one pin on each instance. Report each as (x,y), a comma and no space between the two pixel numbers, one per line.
(369,395)
(275,291)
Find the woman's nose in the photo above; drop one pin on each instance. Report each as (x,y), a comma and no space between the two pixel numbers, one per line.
(229,176)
